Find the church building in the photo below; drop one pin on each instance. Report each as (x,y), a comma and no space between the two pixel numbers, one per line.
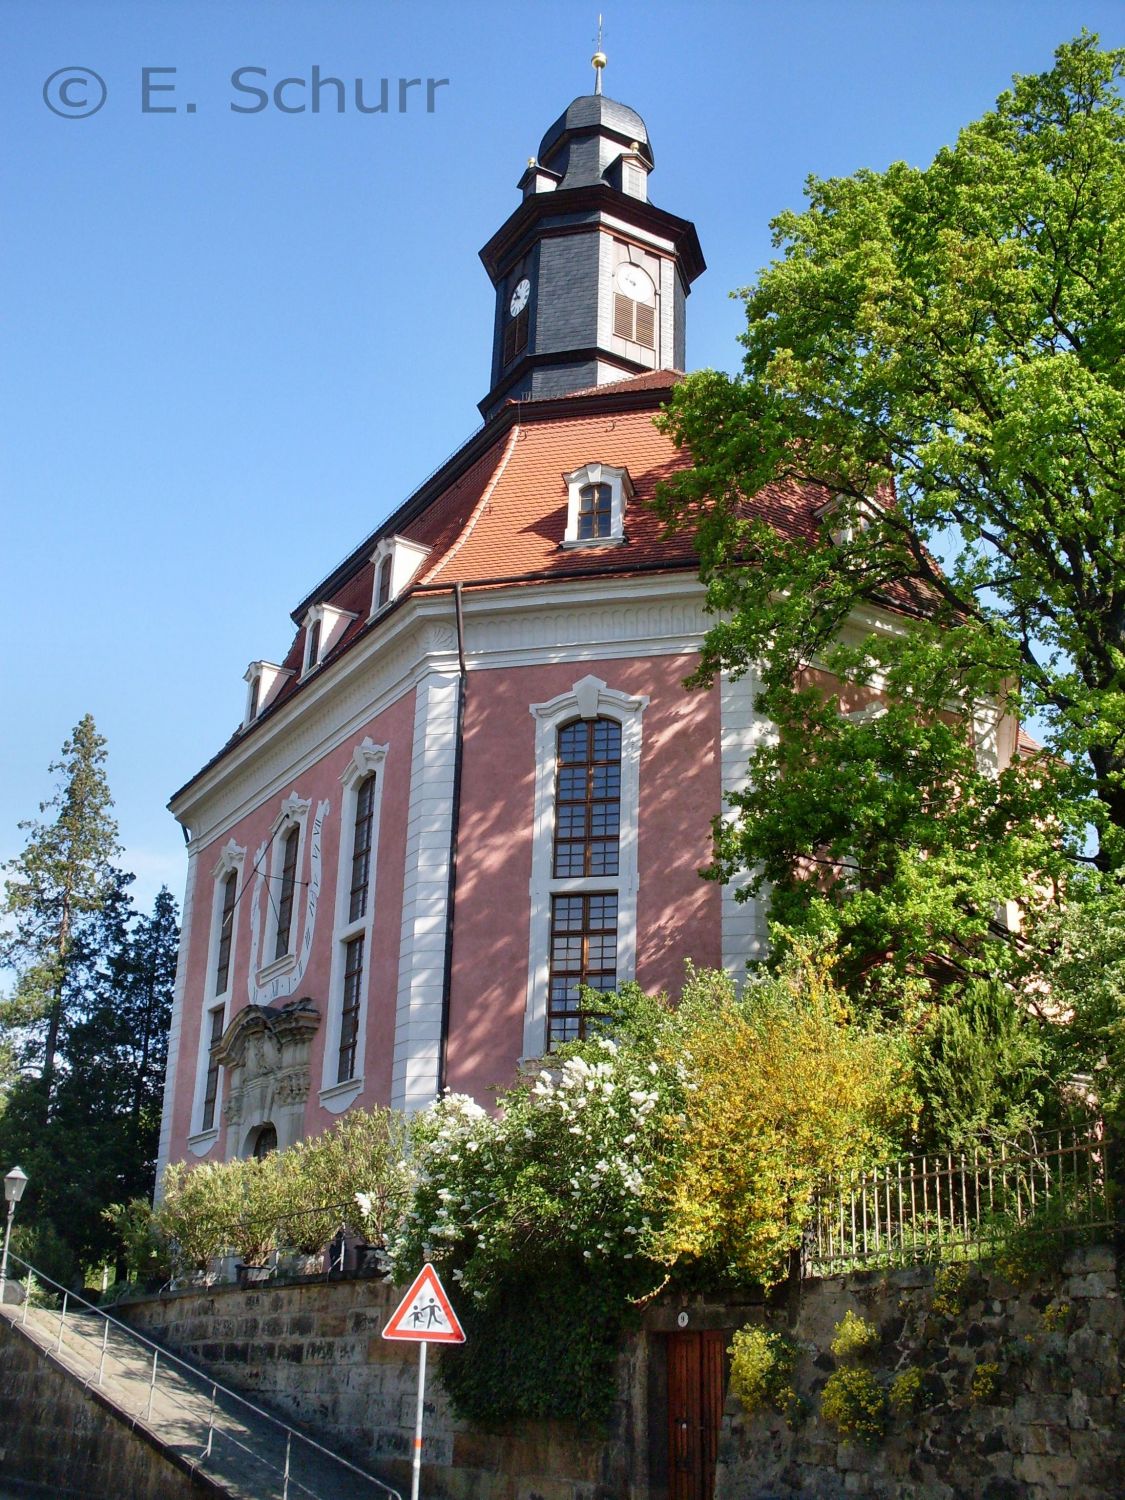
(475,782)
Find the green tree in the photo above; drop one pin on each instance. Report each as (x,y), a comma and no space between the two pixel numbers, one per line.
(55,888)
(1081,955)
(99,1144)
(936,359)
(86,1024)
(987,1072)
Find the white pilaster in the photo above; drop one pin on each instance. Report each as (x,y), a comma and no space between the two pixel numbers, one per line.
(745,933)
(417,1056)
(177,1024)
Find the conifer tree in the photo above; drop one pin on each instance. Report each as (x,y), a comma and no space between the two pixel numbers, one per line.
(55,888)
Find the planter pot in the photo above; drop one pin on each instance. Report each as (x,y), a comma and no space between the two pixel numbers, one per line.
(252,1275)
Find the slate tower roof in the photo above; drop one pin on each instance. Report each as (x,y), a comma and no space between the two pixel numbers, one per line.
(591,278)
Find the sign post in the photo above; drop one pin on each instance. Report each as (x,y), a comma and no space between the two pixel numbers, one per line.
(424,1316)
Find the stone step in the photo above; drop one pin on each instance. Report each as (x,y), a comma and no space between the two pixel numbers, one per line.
(243,1453)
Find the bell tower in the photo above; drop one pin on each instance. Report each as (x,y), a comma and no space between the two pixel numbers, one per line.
(591,278)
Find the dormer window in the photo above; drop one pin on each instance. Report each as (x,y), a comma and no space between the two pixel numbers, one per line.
(845,518)
(397,560)
(597,496)
(595,511)
(324,625)
(312,644)
(264,680)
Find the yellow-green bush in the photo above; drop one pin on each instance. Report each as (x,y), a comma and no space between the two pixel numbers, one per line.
(761,1369)
(906,1392)
(855,1404)
(854,1336)
(985,1383)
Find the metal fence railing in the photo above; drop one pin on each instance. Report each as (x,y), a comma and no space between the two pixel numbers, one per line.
(219,1431)
(960,1207)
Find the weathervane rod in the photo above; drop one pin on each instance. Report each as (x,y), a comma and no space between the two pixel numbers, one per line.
(598,60)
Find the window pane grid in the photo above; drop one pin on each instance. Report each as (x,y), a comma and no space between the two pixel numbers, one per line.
(211,1088)
(361,849)
(349,1015)
(226,930)
(583,952)
(588,799)
(595,511)
(285,903)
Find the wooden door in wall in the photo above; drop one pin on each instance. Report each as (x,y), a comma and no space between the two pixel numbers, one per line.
(696,1392)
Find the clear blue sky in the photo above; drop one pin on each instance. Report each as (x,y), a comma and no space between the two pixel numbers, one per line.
(232,343)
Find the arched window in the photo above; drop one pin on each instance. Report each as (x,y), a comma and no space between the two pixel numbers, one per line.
(226,931)
(355,958)
(383,587)
(285,896)
(312,645)
(595,511)
(583,942)
(211,1082)
(588,798)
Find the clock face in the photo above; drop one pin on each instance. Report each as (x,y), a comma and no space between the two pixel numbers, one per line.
(635,283)
(519,298)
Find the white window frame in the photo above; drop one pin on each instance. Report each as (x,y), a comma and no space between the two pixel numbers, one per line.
(589,698)
(231,861)
(846,517)
(333,623)
(294,813)
(269,677)
(621,492)
(406,559)
(368,759)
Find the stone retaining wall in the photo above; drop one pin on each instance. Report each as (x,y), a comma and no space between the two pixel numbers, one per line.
(1020,1392)
(1048,1423)
(60,1438)
(313,1352)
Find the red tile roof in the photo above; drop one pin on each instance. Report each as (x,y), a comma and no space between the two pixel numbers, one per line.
(501,514)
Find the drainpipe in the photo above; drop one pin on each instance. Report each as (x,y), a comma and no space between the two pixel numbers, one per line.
(454,829)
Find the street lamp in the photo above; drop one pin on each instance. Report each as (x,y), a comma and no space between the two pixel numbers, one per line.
(14,1184)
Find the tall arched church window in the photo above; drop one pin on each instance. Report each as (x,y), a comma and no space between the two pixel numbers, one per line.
(588,798)
(587,831)
(226,931)
(584,876)
(355,961)
(285,895)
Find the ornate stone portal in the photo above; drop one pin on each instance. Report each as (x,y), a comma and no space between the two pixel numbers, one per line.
(265,1051)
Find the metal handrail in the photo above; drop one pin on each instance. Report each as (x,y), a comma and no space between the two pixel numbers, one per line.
(216,1387)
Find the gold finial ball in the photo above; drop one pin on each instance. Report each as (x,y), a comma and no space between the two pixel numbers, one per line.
(532,161)
(599,60)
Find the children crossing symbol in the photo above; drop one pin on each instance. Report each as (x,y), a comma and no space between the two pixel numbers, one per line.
(424,1316)
(425,1313)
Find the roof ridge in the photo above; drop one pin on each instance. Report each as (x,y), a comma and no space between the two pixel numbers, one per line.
(478,510)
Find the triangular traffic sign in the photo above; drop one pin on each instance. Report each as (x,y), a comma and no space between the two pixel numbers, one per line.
(424,1315)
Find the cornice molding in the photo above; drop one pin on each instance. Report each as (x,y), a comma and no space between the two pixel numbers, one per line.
(581,620)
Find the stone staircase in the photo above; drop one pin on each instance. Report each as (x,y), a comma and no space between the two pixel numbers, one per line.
(227,1446)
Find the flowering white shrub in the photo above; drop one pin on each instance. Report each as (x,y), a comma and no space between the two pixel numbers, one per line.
(576,1162)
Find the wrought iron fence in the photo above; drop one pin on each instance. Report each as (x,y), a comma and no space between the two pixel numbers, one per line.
(961,1207)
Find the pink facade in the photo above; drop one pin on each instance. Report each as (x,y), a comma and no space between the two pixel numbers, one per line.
(475,781)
